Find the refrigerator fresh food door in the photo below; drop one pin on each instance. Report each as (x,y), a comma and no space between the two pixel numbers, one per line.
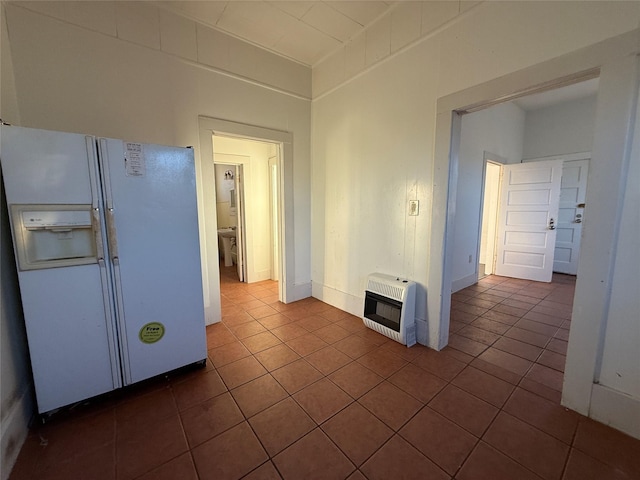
(152,220)
(67,309)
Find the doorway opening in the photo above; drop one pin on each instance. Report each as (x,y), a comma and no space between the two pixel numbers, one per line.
(489,223)
(513,233)
(461,225)
(505,313)
(276,169)
(247,208)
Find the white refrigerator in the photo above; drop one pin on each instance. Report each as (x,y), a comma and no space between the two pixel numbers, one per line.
(106,240)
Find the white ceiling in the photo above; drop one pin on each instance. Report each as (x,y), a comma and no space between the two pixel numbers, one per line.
(306,31)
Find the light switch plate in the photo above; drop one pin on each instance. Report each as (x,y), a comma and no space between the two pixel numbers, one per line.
(414,207)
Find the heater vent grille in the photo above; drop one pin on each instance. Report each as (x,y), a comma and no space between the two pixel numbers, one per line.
(389,307)
(389,291)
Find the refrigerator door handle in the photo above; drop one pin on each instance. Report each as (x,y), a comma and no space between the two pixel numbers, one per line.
(113,238)
(98,233)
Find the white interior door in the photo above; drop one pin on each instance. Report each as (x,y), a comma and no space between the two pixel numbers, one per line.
(529,200)
(489,224)
(240,228)
(274,197)
(570,216)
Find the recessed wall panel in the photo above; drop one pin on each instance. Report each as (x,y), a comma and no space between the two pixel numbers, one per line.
(564,235)
(523,219)
(570,175)
(529,197)
(569,194)
(527,239)
(562,254)
(566,215)
(529,176)
(524,259)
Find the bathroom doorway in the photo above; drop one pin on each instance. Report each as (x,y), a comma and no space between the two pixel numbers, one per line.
(247,199)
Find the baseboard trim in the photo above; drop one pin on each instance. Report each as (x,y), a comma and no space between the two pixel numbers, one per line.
(298,292)
(344,301)
(616,409)
(464,282)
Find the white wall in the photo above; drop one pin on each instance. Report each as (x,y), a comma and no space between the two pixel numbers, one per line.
(374,141)
(256,195)
(498,130)
(560,129)
(373,137)
(130,71)
(80,80)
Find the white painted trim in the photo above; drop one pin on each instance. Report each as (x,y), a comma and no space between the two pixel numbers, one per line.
(209,126)
(569,157)
(391,56)
(298,292)
(464,282)
(204,66)
(612,143)
(607,56)
(441,247)
(422,328)
(615,409)
(261,275)
(15,427)
(344,301)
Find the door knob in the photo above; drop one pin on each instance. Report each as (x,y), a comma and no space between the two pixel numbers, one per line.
(552,225)
(578,218)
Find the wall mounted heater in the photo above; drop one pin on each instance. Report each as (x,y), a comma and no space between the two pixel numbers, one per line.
(389,307)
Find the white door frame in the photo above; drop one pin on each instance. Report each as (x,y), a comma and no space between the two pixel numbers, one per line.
(208,127)
(574,67)
(614,61)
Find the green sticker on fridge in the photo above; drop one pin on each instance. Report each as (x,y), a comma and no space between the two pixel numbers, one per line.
(151,332)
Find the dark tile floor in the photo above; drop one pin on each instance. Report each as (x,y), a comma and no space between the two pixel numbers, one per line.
(304,391)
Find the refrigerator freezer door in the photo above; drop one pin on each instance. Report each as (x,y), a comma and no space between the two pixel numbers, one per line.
(67,336)
(67,310)
(150,194)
